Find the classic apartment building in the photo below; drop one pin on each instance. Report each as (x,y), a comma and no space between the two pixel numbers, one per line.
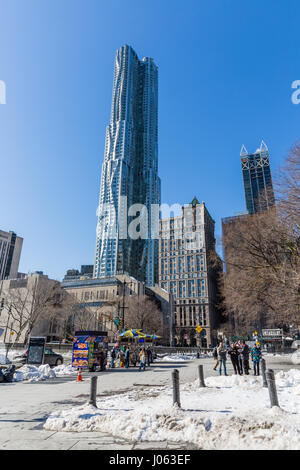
(186,272)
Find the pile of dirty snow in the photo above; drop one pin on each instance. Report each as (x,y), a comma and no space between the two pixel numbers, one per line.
(175,357)
(296,357)
(43,372)
(229,413)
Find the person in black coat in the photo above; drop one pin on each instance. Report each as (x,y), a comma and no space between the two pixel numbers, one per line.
(246,352)
(234,354)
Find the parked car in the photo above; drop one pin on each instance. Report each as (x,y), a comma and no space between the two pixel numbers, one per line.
(50,357)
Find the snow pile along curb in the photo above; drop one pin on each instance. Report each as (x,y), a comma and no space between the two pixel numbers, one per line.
(230,413)
(43,372)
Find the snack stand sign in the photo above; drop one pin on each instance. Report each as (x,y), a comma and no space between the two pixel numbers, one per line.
(86,347)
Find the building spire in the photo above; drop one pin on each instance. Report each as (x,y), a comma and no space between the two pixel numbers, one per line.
(244,151)
(195,201)
(263,146)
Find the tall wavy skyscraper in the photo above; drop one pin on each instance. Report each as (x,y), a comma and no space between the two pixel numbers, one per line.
(130,173)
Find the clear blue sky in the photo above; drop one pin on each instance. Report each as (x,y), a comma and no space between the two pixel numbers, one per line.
(225,74)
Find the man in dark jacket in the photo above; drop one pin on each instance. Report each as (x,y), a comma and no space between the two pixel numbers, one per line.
(149,356)
(127,357)
(245,352)
(234,354)
(215,356)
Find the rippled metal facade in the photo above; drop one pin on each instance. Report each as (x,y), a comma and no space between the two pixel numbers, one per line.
(130,170)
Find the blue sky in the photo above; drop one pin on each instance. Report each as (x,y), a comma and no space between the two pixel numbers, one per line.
(225,74)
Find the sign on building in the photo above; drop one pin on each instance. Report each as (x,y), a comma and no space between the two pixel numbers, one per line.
(275,333)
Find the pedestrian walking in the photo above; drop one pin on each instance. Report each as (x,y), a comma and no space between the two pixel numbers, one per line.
(245,353)
(149,354)
(240,356)
(122,358)
(234,354)
(256,357)
(222,357)
(134,357)
(142,357)
(127,356)
(102,360)
(112,358)
(215,356)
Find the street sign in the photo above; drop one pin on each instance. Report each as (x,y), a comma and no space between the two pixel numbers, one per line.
(272,333)
(199,329)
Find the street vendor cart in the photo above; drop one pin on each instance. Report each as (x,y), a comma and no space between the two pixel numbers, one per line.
(90,350)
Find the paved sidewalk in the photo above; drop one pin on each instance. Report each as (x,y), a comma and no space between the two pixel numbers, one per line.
(24,406)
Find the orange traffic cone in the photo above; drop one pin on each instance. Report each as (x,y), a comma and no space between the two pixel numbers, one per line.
(79,376)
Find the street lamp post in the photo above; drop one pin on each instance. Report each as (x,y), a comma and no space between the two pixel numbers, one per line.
(124,284)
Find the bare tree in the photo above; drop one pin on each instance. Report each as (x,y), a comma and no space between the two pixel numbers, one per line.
(262,281)
(287,185)
(143,313)
(28,306)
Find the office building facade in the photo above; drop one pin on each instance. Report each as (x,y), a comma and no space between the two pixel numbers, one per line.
(129,179)
(10,253)
(257,178)
(107,300)
(187,273)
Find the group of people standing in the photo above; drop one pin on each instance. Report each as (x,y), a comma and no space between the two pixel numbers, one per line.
(239,353)
(133,356)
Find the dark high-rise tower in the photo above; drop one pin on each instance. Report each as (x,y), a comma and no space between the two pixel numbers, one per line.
(129,178)
(257,179)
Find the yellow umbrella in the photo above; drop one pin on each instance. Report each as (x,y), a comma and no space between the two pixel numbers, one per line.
(133,334)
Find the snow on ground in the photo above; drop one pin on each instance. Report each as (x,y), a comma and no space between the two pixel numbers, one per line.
(43,372)
(179,357)
(229,413)
(34,373)
(296,357)
(175,357)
